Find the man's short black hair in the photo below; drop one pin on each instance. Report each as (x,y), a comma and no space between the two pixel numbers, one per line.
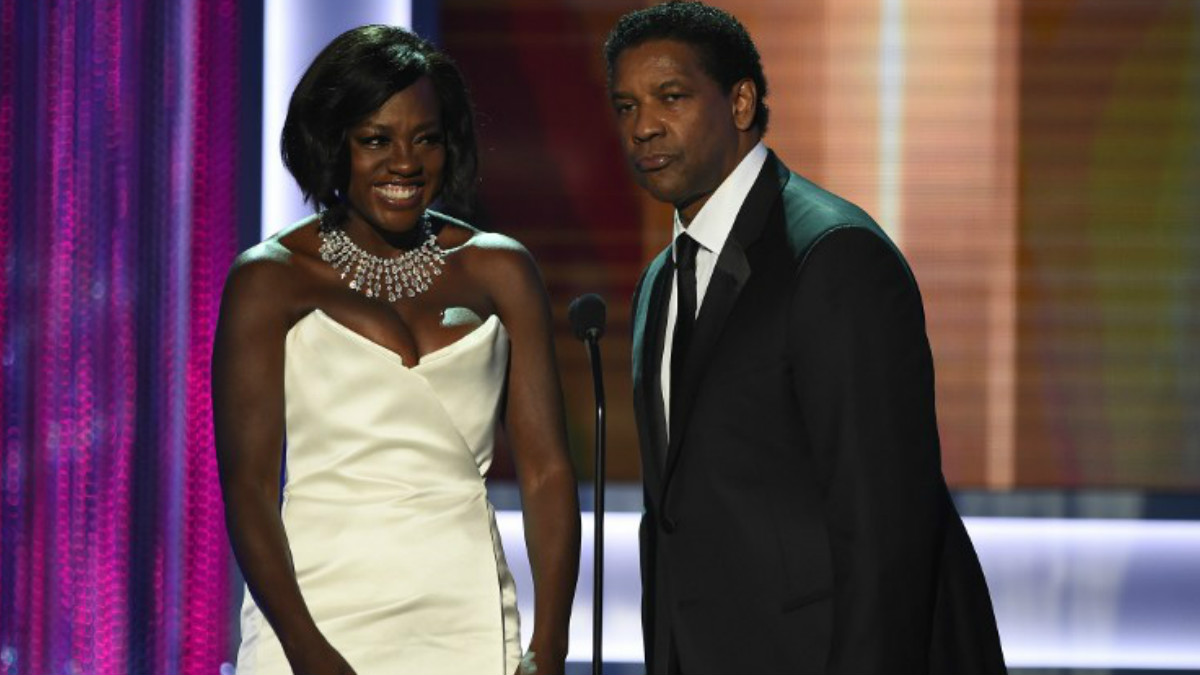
(725,49)
(348,81)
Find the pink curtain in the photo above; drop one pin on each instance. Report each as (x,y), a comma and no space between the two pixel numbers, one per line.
(118,132)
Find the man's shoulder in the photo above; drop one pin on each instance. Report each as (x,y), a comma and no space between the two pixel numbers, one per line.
(804,201)
(811,212)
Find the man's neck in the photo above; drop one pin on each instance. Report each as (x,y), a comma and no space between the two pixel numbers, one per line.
(688,210)
(711,223)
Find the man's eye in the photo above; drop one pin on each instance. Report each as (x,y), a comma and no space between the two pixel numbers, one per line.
(672,98)
(623,108)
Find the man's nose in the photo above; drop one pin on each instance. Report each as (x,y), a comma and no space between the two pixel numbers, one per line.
(646,125)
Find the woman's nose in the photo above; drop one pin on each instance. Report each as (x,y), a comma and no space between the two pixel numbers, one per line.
(402,160)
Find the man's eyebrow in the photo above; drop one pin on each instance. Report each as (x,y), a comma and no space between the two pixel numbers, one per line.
(673,83)
(670,84)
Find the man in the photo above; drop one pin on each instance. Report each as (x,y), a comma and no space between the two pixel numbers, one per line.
(796,517)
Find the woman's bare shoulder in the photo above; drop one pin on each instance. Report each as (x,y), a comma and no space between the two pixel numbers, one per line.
(269,269)
(489,256)
(502,261)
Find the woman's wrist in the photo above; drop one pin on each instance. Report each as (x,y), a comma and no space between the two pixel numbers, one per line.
(301,643)
(549,649)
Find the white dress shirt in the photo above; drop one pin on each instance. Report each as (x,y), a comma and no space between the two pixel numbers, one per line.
(710,228)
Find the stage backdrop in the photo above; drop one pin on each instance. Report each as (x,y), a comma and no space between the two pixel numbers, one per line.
(118,155)
(1037,163)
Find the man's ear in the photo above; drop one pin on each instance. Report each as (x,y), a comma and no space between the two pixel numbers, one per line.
(745,104)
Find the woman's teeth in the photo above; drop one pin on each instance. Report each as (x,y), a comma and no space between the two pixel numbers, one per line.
(397,193)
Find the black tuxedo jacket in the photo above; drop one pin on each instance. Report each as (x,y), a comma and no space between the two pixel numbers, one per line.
(798,520)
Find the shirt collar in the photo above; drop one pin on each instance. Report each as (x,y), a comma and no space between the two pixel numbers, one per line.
(712,225)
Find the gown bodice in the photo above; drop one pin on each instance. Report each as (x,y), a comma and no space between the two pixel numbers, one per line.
(398,431)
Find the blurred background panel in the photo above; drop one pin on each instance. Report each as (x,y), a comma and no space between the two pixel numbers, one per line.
(553,176)
(1036,161)
(1108,365)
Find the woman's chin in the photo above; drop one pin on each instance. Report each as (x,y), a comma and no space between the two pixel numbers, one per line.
(395,221)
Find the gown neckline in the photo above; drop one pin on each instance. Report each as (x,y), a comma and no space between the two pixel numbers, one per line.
(442,352)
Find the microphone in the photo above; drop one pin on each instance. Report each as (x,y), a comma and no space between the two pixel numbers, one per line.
(588,315)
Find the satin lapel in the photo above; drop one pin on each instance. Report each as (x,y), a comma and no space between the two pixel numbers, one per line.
(650,321)
(729,276)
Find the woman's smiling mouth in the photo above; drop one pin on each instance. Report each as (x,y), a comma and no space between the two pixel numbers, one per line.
(397,194)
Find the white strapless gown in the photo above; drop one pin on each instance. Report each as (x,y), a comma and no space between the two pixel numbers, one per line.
(393,539)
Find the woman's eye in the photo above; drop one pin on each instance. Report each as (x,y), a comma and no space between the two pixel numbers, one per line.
(373,141)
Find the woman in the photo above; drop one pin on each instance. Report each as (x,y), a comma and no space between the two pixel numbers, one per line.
(383,340)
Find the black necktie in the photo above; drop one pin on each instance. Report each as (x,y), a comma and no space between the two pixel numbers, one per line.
(685,320)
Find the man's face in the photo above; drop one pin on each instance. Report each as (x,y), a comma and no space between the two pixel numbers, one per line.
(677,125)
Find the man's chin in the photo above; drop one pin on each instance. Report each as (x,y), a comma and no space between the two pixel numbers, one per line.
(668,194)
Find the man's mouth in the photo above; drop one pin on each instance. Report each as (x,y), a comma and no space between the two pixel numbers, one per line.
(651,163)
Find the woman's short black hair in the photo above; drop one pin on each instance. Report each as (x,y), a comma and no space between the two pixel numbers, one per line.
(725,49)
(348,81)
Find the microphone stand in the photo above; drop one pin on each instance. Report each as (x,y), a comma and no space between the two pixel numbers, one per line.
(593,347)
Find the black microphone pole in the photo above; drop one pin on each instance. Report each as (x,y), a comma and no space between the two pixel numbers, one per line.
(587,314)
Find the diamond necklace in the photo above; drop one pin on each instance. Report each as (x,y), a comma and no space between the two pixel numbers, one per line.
(404,275)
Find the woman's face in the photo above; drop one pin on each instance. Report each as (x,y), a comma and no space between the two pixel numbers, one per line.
(397,158)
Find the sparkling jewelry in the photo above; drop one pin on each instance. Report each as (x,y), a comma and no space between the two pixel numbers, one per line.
(527,666)
(405,275)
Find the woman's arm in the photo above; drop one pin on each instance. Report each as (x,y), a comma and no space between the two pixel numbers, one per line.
(248,413)
(534,421)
